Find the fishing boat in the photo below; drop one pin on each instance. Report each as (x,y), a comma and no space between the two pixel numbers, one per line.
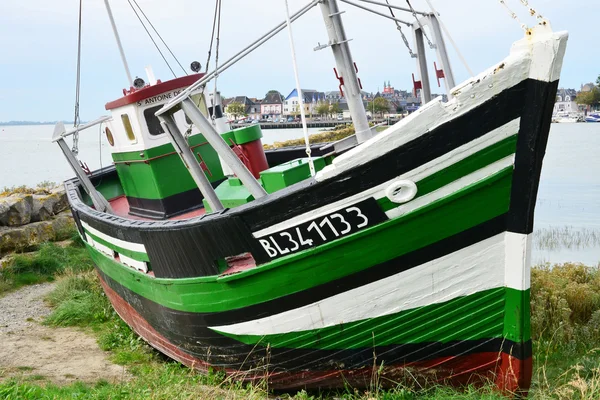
(397,256)
(592,117)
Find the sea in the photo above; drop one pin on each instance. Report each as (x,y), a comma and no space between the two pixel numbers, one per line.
(567,219)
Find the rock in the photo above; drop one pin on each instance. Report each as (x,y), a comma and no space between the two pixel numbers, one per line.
(16,210)
(47,205)
(31,235)
(63,203)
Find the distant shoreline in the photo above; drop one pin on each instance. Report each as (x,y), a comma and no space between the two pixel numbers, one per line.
(29,123)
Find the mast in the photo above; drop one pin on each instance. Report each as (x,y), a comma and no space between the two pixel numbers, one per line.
(118,39)
(346,68)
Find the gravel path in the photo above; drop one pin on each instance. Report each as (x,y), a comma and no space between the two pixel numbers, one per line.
(34,351)
(19,310)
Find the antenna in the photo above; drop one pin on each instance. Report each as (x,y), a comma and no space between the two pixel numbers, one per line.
(118,39)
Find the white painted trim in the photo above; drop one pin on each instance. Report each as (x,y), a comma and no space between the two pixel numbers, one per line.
(465,272)
(417,174)
(518,261)
(140,248)
(130,262)
(539,56)
(102,248)
(453,187)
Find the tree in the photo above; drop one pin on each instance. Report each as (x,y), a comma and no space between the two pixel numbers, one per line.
(273,91)
(590,98)
(335,108)
(379,105)
(598,81)
(322,108)
(399,109)
(235,109)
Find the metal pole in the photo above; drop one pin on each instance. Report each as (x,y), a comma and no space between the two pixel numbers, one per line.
(447,32)
(100,203)
(422,64)
(346,68)
(114,28)
(222,148)
(189,160)
(442,54)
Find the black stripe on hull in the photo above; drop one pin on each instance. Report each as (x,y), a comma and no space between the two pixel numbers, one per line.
(531,148)
(220,351)
(183,249)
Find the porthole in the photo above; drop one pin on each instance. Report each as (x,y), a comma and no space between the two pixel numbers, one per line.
(109,137)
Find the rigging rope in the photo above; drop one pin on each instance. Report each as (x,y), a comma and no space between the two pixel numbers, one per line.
(414,13)
(532,12)
(151,38)
(298,88)
(447,32)
(160,37)
(399,27)
(76,119)
(513,15)
(188,132)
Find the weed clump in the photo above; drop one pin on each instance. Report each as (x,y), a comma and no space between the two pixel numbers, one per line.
(565,303)
(78,301)
(44,265)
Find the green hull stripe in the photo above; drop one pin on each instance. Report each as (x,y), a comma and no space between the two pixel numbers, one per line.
(517,318)
(128,253)
(443,218)
(472,163)
(473,317)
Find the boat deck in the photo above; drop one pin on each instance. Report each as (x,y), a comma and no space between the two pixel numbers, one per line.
(121,207)
(236,264)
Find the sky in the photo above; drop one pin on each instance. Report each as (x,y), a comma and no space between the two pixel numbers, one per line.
(38,42)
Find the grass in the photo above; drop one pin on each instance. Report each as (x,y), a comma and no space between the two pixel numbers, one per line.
(340,132)
(44,187)
(565,328)
(567,237)
(44,265)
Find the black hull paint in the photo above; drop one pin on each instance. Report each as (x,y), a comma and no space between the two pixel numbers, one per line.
(172,245)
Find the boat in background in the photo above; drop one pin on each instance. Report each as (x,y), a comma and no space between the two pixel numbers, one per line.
(593,117)
(566,118)
(398,256)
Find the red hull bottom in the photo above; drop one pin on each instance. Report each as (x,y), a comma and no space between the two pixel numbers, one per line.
(508,373)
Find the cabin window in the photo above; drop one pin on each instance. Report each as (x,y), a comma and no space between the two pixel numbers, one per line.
(154,126)
(128,128)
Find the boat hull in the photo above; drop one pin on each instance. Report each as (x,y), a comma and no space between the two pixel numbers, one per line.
(342,277)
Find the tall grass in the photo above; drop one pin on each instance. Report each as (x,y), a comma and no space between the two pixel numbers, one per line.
(44,265)
(566,237)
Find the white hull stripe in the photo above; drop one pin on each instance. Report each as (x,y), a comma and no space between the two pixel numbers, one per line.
(509,129)
(137,247)
(453,187)
(465,272)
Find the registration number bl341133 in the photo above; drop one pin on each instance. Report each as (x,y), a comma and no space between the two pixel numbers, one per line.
(315,232)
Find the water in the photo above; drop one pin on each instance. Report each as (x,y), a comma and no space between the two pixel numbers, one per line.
(567,218)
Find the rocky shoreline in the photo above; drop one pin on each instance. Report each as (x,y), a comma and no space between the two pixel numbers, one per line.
(30,219)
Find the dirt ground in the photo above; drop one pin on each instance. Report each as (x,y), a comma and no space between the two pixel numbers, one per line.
(34,351)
